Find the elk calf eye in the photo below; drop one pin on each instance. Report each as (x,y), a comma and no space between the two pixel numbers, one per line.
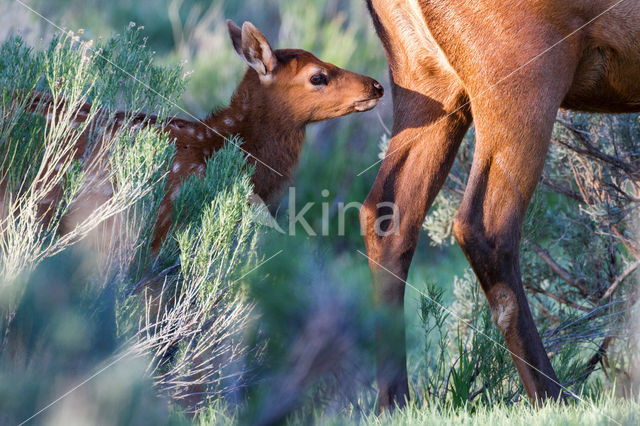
(318,79)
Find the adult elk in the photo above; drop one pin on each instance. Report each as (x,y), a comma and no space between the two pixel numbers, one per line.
(281,92)
(508,66)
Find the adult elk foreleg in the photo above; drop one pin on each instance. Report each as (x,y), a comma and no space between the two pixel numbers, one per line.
(428,127)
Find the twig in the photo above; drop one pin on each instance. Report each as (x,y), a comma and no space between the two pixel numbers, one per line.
(593,152)
(544,311)
(557,298)
(620,278)
(632,246)
(476,393)
(563,190)
(558,269)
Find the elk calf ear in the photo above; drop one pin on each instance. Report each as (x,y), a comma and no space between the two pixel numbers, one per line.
(235,33)
(253,48)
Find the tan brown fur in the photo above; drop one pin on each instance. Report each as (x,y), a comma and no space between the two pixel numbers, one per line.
(508,66)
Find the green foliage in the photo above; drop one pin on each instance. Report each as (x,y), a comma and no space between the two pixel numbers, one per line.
(126,64)
(68,74)
(433,319)
(461,375)
(21,68)
(225,218)
(202,312)
(140,157)
(105,318)
(469,367)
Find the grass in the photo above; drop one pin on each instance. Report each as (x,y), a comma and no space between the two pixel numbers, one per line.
(607,410)
(604,412)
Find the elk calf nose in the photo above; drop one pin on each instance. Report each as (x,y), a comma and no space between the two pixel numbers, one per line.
(378,89)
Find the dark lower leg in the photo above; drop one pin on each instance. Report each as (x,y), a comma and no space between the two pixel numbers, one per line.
(495,262)
(512,315)
(393,386)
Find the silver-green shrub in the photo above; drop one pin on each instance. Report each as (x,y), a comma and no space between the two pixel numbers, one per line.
(180,310)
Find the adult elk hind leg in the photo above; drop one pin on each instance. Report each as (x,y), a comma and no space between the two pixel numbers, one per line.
(513,127)
(430,120)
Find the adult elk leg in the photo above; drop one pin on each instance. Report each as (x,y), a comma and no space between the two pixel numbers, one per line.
(427,132)
(512,137)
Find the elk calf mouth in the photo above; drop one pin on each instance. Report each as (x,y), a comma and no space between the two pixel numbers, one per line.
(366,105)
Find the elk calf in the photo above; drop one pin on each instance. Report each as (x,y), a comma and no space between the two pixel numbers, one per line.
(282,92)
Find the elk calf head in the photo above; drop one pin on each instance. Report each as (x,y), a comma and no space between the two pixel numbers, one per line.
(300,84)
